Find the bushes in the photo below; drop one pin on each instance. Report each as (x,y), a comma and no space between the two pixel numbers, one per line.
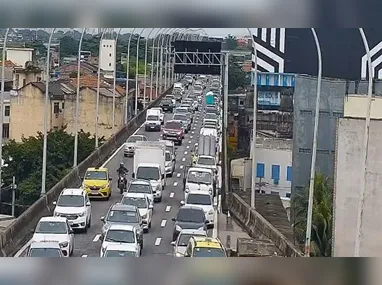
(24,161)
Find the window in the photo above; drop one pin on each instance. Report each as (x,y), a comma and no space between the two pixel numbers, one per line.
(62,105)
(276,173)
(56,108)
(6,131)
(260,170)
(241,102)
(24,82)
(289,173)
(7,111)
(38,78)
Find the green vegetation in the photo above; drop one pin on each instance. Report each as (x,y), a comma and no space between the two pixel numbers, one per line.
(231,42)
(321,239)
(236,76)
(26,161)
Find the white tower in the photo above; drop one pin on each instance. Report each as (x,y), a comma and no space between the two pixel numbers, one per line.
(108,57)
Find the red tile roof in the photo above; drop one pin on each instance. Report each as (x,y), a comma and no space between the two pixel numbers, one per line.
(8,63)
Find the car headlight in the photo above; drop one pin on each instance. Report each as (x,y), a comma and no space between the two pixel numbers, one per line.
(158,188)
(64,244)
(178,228)
(105,186)
(178,254)
(201,229)
(81,214)
(105,227)
(144,216)
(56,214)
(187,189)
(210,212)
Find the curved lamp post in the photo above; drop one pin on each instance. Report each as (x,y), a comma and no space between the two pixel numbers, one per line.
(115,77)
(167,58)
(75,159)
(136,73)
(314,150)
(46,112)
(127,74)
(145,74)
(168,73)
(152,64)
(2,105)
(365,145)
(160,58)
(98,87)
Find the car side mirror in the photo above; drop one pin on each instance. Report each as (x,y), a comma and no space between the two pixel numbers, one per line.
(54,203)
(151,207)
(182,203)
(173,243)
(71,231)
(101,237)
(87,203)
(81,177)
(32,231)
(184,180)
(206,222)
(133,175)
(102,219)
(173,219)
(110,178)
(162,176)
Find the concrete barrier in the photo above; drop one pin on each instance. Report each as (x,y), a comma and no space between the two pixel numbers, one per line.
(19,232)
(258,227)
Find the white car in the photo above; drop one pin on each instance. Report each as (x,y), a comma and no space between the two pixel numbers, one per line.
(201,199)
(118,234)
(144,205)
(120,250)
(129,149)
(143,187)
(45,249)
(161,113)
(169,164)
(74,205)
(55,229)
(199,179)
(181,242)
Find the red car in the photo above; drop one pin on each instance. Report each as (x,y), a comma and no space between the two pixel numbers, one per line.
(173,130)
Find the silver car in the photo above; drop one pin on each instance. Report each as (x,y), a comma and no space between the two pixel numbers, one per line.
(181,242)
(129,149)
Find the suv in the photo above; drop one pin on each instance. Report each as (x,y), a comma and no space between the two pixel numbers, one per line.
(173,131)
(185,120)
(167,105)
(189,217)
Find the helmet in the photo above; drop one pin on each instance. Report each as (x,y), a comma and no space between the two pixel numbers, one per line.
(121,164)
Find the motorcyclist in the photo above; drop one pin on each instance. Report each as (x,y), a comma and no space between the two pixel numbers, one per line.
(122,171)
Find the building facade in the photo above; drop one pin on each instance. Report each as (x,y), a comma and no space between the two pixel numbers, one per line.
(108,57)
(20,56)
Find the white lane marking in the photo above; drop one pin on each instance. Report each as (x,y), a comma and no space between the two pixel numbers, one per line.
(163,223)
(25,246)
(189,141)
(190,137)
(178,175)
(183,159)
(185,153)
(96,238)
(192,132)
(175,184)
(157,241)
(84,255)
(188,146)
(168,209)
(172,194)
(181,167)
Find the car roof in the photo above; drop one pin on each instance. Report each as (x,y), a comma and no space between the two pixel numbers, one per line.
(134,195)
(45,244)
(53,219)
(188,207)
(123,227)
(200,169)
(121,247)
(207,242)
(174,121)
(192,232)
(140,182)
(206,156)
(168,143)
(122,207)
(73,191)
(149,164)
(199,192)
(97,169)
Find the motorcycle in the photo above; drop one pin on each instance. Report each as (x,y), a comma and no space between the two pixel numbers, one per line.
(121,183)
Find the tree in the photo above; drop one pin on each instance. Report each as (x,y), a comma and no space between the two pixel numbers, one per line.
(321,238)
(26,162)
(236,76)
(132,65)
(68,47)
(231,42)
(38,46)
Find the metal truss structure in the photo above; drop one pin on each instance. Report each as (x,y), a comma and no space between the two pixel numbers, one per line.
(199,58)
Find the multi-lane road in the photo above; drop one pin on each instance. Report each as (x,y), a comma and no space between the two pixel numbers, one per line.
(158,240)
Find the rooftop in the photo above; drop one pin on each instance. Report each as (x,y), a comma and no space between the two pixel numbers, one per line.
(8,63)
(91,81)
(274,143)
(57,90)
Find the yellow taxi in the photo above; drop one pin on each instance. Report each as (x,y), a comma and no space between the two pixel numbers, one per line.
(97,183)
(205,247)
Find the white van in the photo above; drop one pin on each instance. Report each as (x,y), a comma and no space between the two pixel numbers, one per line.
(153,120)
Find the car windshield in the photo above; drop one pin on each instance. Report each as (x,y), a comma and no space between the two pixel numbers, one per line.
(120,236)
(208,252)
(181,111)
(190,215)
(140,203)
(168,156)
(173,126)
(180,117)
(184,238)
(199,199)
(212,110)
(166,101)
(45,252)
(119,253)
(211,116)
(134,139)
(122,217)
(148,173)
(51,228)
(139,188)
(96,175)
(152,118)
(71,201)
(171,97)
(206,161)
(199,177)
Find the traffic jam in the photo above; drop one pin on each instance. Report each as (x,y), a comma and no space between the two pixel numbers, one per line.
(140,177)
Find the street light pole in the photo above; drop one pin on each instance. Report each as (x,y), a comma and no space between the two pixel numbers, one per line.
(127,74)
(2,106)
(98,91)
(145,79)
(136,74)
(167,74)
(361,203)
(159,57)
(254,126)
(314,151)
(166,58)
(152,64)
(78,99)
(115,78)
(46,112)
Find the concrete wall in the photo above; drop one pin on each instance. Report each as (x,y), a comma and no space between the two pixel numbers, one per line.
(19,77)
(19,56)
(332,106)
(356,105)
(348,178)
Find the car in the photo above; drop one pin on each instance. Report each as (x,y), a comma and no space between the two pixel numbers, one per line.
(181,242)
(55,229)
(45,249)
(188,106)
(173,130)
(121,234)
(182,110)
(189,217)
(153,120)
(201,179)
(170,146)
(205,247)
(211,109)
(144,205)
(75,206)
(161,113)
(202,199)
(97,183)
(129,149)
(120,250)
(170,164)
(206,161)
(167,105)
(119,214)
(143,187)
(172,98)
(185,120)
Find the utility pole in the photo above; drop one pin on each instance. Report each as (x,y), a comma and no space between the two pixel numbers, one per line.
(14,186)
